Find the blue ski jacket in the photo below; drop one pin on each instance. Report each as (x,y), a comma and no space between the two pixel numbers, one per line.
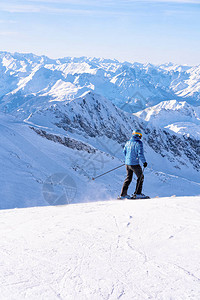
(133,151)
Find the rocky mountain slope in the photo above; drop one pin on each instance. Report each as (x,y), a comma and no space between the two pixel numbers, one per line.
(95,118)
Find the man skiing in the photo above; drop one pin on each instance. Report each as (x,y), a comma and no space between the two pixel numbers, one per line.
(133,151)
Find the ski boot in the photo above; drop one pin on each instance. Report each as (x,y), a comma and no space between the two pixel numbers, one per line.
(139,196)
(123,197)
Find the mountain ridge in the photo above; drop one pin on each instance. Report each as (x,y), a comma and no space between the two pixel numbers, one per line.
(130,86)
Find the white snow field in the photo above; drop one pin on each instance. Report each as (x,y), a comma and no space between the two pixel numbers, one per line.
(144,249)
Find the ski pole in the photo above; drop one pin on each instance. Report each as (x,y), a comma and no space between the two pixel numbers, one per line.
(139,181)
(93,178)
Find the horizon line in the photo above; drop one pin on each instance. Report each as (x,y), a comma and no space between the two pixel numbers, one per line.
(98,58)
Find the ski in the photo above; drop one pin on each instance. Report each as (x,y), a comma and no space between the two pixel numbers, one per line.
(133,198)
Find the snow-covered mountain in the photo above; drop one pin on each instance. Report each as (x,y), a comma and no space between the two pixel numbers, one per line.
(179,117)
(94,118)
(53,123)
(25,78)
(83,138)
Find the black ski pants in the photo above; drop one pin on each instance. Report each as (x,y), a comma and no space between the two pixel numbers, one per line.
(140,178)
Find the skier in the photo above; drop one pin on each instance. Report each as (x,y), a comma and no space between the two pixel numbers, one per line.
(133,151)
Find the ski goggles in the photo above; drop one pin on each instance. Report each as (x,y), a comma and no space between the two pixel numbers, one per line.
(139,133)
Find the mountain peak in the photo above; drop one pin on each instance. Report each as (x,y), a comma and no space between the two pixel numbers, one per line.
(131,87)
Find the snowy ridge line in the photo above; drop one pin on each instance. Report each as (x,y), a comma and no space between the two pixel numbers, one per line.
(65,141)
(69,142)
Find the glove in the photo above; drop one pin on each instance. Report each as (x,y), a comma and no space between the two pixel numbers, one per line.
(145,164)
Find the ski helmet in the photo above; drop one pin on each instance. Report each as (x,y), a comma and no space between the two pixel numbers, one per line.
(137,132)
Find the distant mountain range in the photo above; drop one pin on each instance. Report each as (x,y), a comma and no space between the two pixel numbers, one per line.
(25,78)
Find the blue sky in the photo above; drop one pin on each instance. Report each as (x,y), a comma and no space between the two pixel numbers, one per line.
(155,31)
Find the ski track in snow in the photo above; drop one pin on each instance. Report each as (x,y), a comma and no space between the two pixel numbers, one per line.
(104,250)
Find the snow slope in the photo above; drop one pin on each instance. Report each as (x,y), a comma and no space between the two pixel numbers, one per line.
(147,249)
(37,171)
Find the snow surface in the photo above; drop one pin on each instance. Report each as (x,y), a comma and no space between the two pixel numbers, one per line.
(144,249)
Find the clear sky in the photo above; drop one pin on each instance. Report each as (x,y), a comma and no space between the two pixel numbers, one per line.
(155,31)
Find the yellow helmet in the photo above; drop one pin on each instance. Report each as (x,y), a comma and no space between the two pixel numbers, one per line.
(137,132)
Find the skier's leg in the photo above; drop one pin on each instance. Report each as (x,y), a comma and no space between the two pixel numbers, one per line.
(127,181)
(140,178)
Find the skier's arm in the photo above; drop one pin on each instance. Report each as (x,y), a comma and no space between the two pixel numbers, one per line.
(141,152)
